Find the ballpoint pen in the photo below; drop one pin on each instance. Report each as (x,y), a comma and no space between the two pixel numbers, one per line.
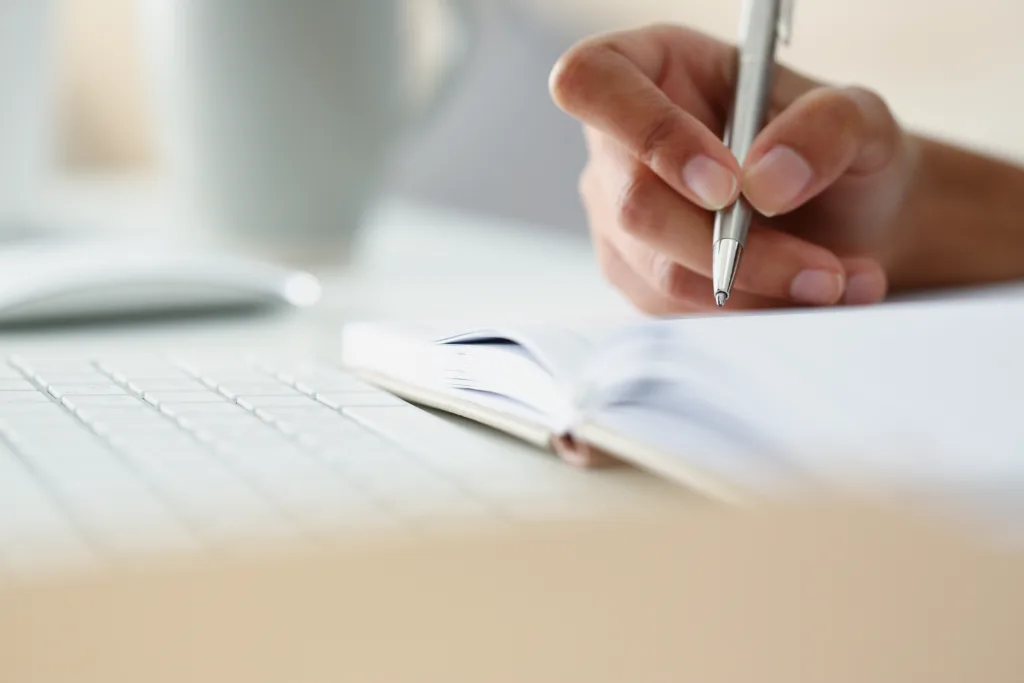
(763,24)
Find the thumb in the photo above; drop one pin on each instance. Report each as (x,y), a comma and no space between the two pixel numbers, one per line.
(823,135)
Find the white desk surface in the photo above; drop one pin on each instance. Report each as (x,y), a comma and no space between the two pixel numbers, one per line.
(414,263)
(411,262)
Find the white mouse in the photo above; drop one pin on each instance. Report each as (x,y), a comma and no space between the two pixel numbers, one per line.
(65,279)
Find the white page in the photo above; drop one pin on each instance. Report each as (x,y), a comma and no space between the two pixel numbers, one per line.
(562,349)
(925,393)
(527,371)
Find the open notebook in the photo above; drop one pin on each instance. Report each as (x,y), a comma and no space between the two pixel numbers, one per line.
(919,394)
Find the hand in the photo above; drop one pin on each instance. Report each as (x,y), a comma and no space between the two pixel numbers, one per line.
(828,175)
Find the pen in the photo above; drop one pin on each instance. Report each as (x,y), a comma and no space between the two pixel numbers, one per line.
(763,24)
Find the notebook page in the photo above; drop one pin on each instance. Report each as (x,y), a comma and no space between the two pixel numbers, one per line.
(562,350)
(525,371)
(923,393)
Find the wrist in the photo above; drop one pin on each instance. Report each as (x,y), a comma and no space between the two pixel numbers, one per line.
(961,222)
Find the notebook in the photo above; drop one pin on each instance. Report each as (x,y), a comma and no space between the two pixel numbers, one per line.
(917,395)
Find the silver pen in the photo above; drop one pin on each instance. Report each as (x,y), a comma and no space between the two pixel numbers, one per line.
(763,24)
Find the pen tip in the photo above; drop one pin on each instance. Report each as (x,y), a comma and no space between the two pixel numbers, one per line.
(720,298)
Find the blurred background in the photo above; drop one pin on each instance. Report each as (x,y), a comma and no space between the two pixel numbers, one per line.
(498,145)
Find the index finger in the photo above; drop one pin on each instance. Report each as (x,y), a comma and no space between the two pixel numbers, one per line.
(611,83)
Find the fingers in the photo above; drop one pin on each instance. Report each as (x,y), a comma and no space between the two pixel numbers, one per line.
(631,284)
(823,135)
(867,282)
(659,287)
(645,210)
(662,243)
(612,84)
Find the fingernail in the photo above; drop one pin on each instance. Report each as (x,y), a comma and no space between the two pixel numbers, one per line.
(864,289)
(775,182)
(818,287)
(712,182)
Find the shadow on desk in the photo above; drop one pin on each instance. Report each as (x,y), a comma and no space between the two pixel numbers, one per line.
(830,595)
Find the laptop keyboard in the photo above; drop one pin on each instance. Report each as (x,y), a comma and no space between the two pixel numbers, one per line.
(102,458)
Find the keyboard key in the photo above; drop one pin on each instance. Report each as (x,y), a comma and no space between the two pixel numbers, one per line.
(165,384)
(211,410)
(112,417)
(145,444)
(162,397)
(216,454)
(86,402)
(293,400)
(22,397)
(54,365)
(62,390)
(38,422)
(351,399)
(142,368)
(239,427)
(19,384)
(130,421)
(296,418)
(339,385)
(236,389)
(22,410)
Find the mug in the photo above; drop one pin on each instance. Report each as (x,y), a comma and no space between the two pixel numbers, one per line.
(28,121)
(276,119)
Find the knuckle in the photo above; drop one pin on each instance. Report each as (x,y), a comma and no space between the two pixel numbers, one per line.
(665,275)
(868,100)
(656,136)
(876,114)
(635,212)
(838,114)
(670,279)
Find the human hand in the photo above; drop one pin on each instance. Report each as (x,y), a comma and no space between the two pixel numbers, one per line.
(828,175)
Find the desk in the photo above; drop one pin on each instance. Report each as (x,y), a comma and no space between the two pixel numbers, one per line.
(412,262)
(708,598)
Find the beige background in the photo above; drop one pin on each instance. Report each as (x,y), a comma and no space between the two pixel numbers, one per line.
(947,66)
(807,595)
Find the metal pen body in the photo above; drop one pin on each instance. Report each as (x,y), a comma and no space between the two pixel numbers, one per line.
(756,64)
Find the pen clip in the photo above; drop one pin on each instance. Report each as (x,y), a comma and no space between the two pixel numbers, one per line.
(786,11)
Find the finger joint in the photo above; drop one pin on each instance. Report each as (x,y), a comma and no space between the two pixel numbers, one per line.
(657,136)
(635,207)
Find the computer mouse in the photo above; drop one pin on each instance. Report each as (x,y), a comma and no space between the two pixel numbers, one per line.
(62,279)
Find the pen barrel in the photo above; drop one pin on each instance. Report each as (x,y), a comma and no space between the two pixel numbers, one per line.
(733,222)
(754,82)
(753,97)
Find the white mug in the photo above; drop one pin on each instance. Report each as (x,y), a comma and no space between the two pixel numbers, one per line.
(276,118)
(28,121)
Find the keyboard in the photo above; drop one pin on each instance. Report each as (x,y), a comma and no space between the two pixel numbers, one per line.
(106,459)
